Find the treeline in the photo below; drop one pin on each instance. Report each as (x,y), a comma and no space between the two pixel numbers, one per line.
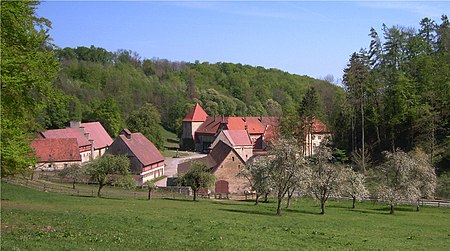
(96,84)
(398,94)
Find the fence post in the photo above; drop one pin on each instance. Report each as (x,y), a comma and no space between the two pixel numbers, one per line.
(44,187)
(439,203)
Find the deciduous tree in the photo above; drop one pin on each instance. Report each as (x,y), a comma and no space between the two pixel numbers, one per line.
(198,176)
(73,172)
(107,169)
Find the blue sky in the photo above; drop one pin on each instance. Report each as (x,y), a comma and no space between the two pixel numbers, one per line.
(313,38)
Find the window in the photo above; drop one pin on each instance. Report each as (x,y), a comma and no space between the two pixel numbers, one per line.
(319,137)
(232,158)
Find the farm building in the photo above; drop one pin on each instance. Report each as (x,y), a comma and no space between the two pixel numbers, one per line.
(147,162)
(53,154)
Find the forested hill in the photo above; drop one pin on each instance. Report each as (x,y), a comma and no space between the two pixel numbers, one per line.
(95,84)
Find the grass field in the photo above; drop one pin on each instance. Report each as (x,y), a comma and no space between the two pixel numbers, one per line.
(34,220)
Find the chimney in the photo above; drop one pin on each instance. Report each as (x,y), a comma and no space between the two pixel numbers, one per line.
(75,124)
(86,135)
(126,133)
(92,148)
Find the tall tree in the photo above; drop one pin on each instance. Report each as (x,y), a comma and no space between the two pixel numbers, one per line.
(28,66)
(197,177)
(355,80)
(147,120)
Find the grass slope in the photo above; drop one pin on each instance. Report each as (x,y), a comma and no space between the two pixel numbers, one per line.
(33,220)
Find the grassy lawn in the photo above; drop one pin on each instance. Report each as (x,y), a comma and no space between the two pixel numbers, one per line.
(34,220)
(171,139)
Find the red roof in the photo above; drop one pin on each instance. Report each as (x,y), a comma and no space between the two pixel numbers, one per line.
(67,133)
(98,134)
(56,150)
(238,137)
(254,125)
(197,114)
(319,127)
(144,150)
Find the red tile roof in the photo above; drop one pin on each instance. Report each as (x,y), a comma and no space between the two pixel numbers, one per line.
(144,150)
(238,137)
(254,125)
(197,114)
(56,150)
(98,134)
(67,133)
(319,127)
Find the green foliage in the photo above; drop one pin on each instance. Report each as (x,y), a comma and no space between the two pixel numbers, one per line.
(108,169)
(107,112)
(198,176)
(147,120)
(443,186)
(28,67)
(74,172)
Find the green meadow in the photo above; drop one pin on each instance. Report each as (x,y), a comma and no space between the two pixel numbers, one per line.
(35,220)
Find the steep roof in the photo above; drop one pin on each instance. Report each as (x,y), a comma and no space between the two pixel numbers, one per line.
(98,134)
(67,133)
(56,150)
(197,114)
(144,150)
(212,160)
(238,137)
(319,127)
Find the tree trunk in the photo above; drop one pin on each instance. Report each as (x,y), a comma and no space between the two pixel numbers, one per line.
(195,194)
(362,135)
(288,200)
(418,205)
(257,199)
(149,194)
(322,207)
(100,186)
(392,209)
(73,184)
(354,200)
(279,206)
(265,197)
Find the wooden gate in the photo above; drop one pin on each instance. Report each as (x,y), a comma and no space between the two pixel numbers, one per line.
(221,187)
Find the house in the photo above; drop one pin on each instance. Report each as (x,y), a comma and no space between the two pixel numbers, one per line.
(56,153)
(146,161)
(225,163)
(316,132)
(239,140)
(200,130)
(101,139)
(85,146)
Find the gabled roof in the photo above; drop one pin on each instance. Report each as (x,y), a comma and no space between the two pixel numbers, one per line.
(238,137)
(67,133)
(56,150)
(319,127)
(213,160)
(98,134)
(142,148)
(197,114)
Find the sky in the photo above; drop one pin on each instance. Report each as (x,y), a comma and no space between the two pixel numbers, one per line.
(313,38)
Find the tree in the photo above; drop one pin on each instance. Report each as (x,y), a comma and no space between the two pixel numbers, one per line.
(424,174)
(107,112)
(72,172)
(256,171)
(403,177)
(28,66)
(354,185)
(107,169)
(327,179)
(286,166)
(150,186)
(147,120)
(198,176)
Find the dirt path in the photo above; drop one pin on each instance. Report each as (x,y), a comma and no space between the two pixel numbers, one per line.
(170,170)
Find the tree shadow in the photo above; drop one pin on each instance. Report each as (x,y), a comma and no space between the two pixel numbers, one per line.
(181,200)
(300,211)
(249,212)
(366,211)
(400,209)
